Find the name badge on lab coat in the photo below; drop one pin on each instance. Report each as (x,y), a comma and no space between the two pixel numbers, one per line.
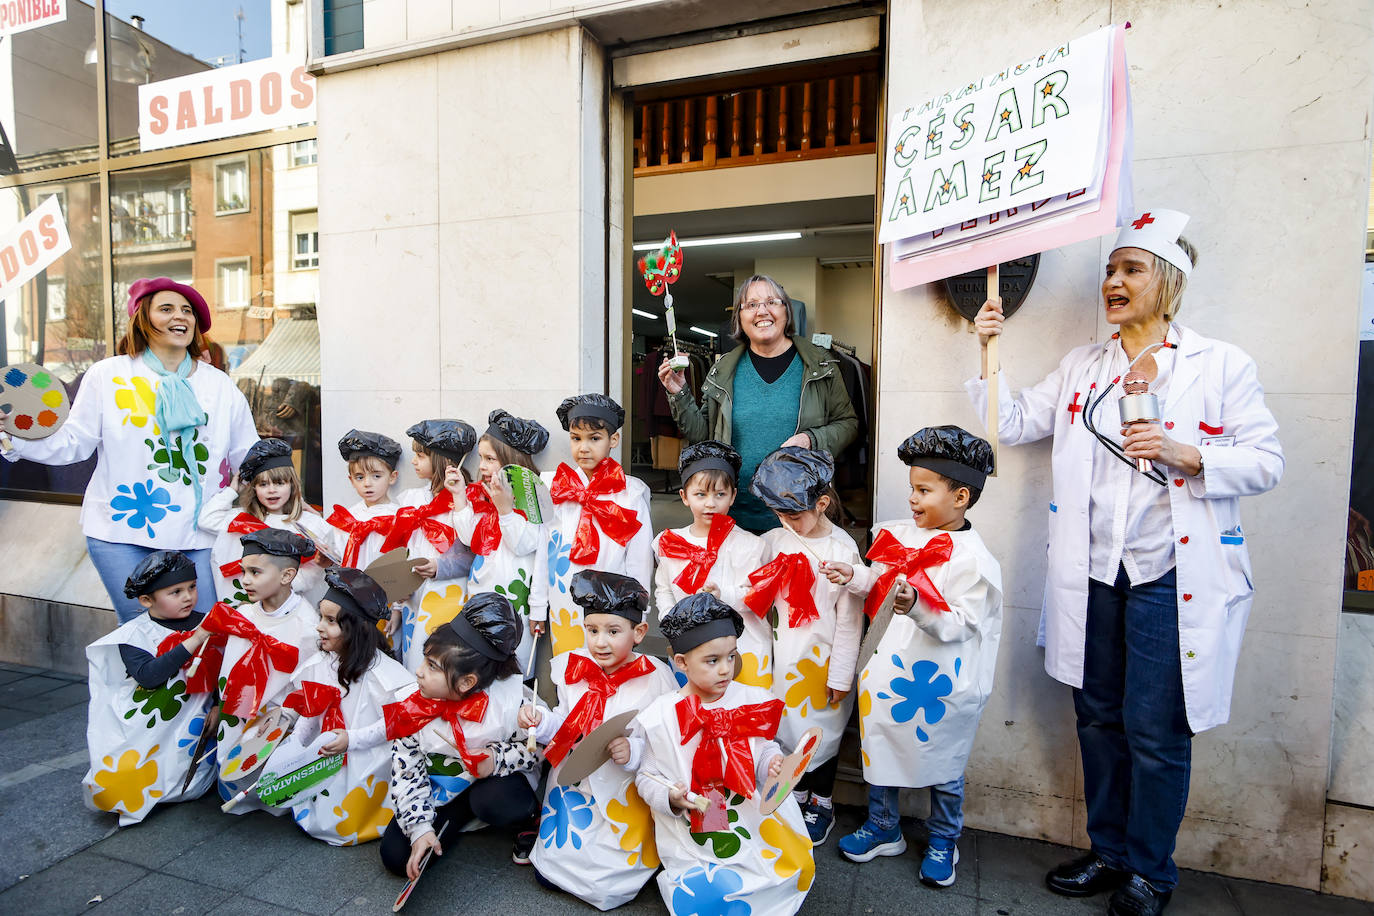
(1217,440)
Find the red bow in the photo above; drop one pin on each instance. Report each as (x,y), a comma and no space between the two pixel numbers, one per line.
(723,757)
(699,559)
(407,717)
(211,659)
(788,574)
(911,562)
(619,523)
(247,681)
(591,707)
(243,523)
(486,535)
(358,531)
(315,699)
(409,519)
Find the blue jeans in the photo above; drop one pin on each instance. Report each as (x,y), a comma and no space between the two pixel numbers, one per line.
(946,809)
(114,562)
(1133,727)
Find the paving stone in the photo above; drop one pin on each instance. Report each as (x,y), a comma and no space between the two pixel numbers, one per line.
(169,832)
(157,893)
(48,736)
(10,716)
(318,878)
(234,858)
(1259,899)
(240,905)
(31,686)
(63,697)
(43,821)
(66,887)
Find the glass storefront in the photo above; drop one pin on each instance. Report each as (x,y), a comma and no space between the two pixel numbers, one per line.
(235,217)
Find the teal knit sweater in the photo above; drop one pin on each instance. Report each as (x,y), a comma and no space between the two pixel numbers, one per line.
(763,416)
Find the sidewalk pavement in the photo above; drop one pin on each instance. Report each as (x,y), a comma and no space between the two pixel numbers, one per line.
(189,858)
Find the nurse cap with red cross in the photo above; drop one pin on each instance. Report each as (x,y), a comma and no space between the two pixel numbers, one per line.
(1157,231)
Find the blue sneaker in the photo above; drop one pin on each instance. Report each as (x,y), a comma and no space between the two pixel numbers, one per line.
(819,819)
(937,869)
(871,841)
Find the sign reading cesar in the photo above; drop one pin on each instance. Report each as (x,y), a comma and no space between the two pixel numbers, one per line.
(1026,133)
(242,99)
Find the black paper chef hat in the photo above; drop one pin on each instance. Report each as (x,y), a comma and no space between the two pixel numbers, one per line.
(522,435)
(452,438)
(264,455)
(708,455)
(949,451)
(357,443)
(598,592)
(348,587)
(697,619)
(159,569)
(793,479)
(595,407)
(277,543)
(487,625)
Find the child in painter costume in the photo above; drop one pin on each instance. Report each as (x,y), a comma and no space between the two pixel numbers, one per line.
(357,533)
(596,838)
(819,623)
(341,690)
(424,524)
(451,757)
(266,641)
(944,633)
(713,554)
(714,737)
(601,517)
(266,494)
(509,557)
(147,711)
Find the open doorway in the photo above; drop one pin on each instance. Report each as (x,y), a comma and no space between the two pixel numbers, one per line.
(769,172)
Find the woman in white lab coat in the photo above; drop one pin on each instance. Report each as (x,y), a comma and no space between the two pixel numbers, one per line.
(1148,585)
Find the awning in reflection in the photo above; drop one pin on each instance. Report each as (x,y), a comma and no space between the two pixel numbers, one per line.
(291,350)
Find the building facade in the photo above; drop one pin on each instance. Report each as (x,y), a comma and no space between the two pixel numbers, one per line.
(485,170)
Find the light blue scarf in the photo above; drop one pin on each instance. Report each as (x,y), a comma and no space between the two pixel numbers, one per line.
(177,414)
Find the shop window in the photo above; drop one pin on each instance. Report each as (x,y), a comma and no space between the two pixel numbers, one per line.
(56,319)
(304,152)
(305,240)
(343,26)
(48,110)
(231,187)
(232,283)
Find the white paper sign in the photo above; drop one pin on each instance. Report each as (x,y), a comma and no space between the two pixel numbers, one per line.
(242,99)
(28,248)
(22,15)
(1032,131)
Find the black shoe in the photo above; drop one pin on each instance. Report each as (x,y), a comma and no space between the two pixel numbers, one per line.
(1084,877)
(1137,898)
(524,842)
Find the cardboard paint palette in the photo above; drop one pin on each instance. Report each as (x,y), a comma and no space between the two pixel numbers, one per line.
(405,893)
(252,749)
(878,626)
(777,788)
(35,399)
(395,572)
(591,752)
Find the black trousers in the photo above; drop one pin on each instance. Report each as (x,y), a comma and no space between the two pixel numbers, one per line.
(821,780)
(498,800)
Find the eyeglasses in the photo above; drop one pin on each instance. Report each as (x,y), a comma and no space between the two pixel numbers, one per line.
(755,305)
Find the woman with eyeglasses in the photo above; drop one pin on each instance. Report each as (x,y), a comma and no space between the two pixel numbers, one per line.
(775,390)
(1148,585)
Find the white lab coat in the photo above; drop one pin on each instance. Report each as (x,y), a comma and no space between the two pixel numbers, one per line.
(1214,385)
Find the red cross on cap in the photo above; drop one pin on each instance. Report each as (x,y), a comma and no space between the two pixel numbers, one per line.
(1145,220)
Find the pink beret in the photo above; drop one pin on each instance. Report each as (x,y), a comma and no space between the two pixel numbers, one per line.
(149,285)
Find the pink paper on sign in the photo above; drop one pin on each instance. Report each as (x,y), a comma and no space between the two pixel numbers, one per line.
(1054,232)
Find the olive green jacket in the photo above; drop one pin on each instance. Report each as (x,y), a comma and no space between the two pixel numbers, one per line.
(826,414)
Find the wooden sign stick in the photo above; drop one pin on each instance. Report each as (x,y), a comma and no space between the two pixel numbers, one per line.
(994,365)
(696,801)
(801,540)
(530,742)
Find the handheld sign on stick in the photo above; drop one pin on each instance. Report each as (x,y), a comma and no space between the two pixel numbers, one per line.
(404,895)
(661,269)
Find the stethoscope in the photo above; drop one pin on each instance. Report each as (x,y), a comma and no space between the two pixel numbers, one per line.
(1154,473)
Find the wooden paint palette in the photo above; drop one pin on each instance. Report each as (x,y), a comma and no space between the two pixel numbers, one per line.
(777,788)
(590,753)
(35,399)
(395,572)
(252,749)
